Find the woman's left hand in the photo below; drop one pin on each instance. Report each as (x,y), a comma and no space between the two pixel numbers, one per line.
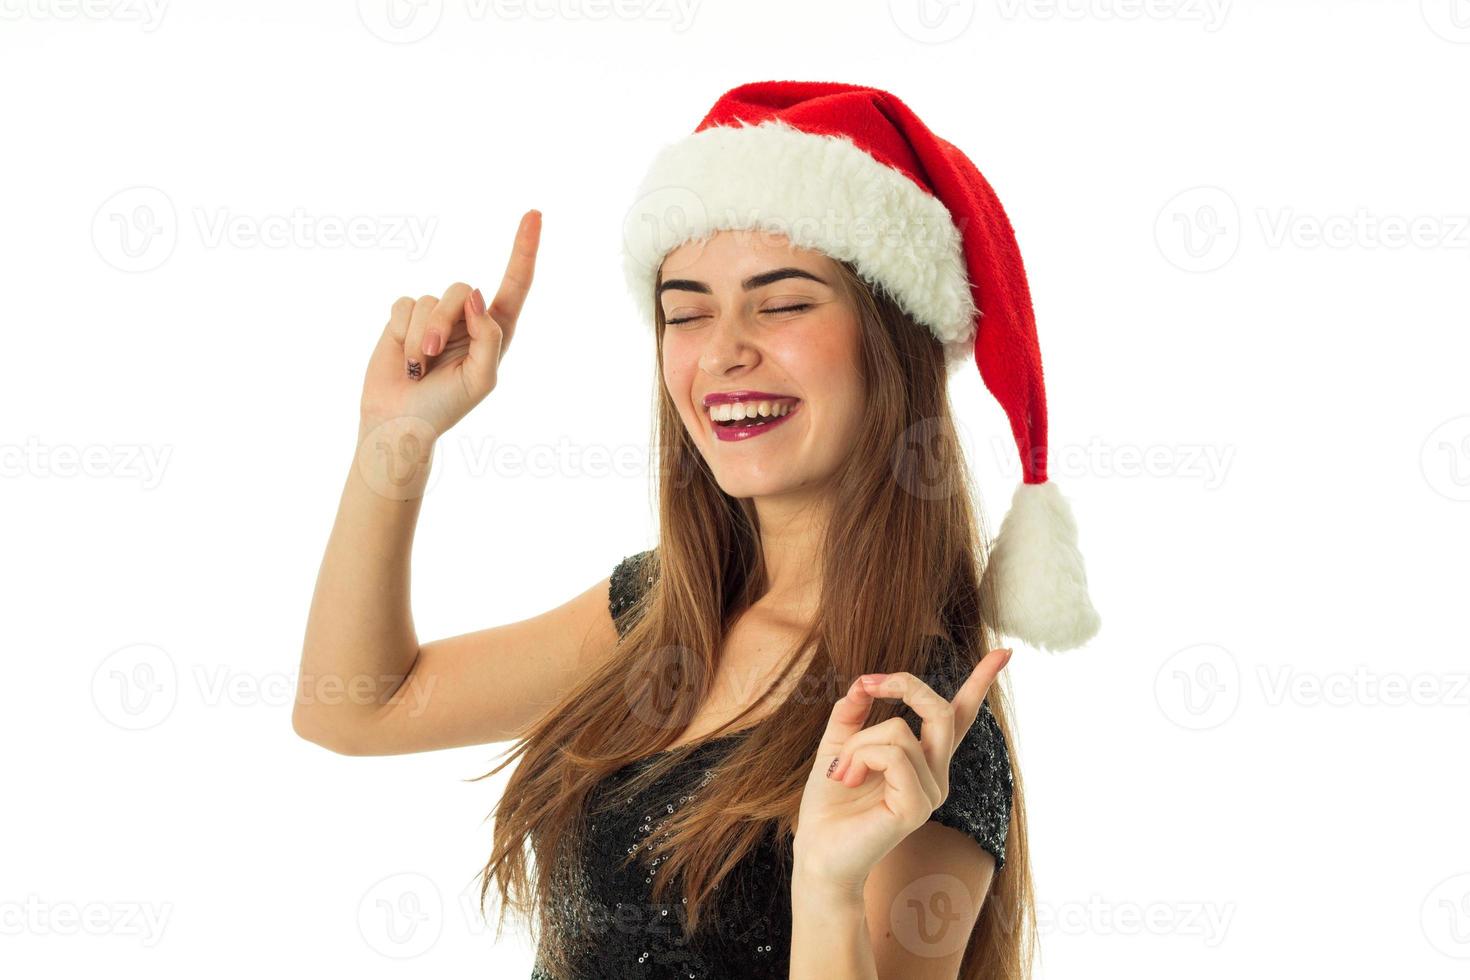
(870,788)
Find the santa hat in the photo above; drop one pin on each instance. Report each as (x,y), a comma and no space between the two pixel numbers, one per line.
(850,171)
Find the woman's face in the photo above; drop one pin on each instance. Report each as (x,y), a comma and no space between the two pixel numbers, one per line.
(746,312)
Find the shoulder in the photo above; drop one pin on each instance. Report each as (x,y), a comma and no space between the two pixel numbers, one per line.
(980,787)
(627,584)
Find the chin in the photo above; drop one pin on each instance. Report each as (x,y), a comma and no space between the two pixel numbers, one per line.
(742,481)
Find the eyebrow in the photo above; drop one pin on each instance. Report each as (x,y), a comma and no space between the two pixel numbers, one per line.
(754,282)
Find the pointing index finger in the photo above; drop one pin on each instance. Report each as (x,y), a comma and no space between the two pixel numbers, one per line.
(971,695)
(520,271)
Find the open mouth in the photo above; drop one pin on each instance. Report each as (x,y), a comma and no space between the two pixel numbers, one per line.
(750,423)
(753,414)
(754,424)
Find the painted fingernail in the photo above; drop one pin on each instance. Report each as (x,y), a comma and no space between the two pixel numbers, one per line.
(415,369)
(431,343)
(832,766)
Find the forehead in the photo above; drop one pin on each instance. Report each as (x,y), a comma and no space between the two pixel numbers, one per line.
(729,256)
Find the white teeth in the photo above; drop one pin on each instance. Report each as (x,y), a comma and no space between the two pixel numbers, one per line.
(735,411)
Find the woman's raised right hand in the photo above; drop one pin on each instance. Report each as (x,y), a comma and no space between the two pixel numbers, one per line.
(440,356)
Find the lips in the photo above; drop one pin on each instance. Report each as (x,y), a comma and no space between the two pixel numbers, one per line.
(743,395)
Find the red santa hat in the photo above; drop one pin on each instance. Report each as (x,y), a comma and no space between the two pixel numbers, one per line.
(850,171)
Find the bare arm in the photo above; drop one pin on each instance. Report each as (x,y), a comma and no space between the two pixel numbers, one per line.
(366,686)
(360,643)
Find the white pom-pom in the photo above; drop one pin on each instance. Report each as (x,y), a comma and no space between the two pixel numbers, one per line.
(1036,573)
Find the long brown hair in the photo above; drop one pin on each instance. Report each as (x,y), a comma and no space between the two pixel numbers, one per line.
(902,550)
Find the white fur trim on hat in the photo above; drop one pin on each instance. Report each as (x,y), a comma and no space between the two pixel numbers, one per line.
(822,193)
(1039,584)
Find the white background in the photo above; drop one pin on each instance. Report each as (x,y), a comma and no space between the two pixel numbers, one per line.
(1246,231)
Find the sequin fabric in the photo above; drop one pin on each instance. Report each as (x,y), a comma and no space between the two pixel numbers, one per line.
(605,914)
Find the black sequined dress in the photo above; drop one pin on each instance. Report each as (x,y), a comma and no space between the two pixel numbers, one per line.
(619,933)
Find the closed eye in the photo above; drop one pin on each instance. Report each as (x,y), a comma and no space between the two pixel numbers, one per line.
(778,309)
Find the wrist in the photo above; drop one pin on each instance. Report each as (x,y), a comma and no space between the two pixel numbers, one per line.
(810,883)
(395,456)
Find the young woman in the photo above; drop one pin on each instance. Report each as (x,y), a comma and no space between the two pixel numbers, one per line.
(770,746)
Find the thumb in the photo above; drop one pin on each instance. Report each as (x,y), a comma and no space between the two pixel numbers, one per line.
(848,715)
(481,364)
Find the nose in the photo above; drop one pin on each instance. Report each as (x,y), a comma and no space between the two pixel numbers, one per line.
(729,345)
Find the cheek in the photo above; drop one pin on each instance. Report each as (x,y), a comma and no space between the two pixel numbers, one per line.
(678,370)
